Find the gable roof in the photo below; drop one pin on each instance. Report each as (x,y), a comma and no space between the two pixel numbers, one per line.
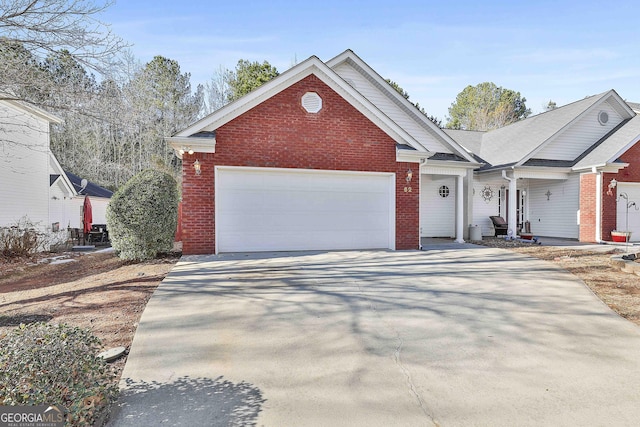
(90,190)
(314,66)
(517,143)
(349,57)
(194,137)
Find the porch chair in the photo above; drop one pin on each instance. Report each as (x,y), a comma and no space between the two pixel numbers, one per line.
(500,225)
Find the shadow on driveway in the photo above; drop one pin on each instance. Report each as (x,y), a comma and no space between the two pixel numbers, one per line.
(189,401)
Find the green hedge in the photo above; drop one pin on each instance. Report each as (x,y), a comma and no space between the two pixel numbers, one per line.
(142,216)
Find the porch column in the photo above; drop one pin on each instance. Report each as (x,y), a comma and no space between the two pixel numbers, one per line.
(598,236)
(459,209)
(513,219)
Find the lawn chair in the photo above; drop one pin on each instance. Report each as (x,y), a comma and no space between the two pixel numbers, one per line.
(500,225)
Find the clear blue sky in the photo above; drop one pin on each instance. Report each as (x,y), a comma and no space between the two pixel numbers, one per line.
(546,50)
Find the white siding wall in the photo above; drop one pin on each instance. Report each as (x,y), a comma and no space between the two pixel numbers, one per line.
(59,205)
(483,209)
(24,167)
(574,141)
(394,112)
(556,217)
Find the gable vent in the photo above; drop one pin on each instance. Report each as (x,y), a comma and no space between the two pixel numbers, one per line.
(311,102)
(603,117)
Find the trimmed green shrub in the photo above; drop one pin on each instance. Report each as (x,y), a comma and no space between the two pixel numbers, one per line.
(142,216)
(56,365)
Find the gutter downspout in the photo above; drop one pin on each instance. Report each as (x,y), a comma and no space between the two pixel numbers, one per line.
(512,205)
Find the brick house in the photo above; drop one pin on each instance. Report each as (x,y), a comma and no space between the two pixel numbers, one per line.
(569,172)
(329,156)
(325,156)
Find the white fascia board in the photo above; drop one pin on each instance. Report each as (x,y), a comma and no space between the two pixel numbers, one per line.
(604,167)
(635,140)
(412,156)
(439,167)
(536,172)
(250,100)
(65,179)
(198,145)
(349,55)
(624,107)
(368,109)
(33,110)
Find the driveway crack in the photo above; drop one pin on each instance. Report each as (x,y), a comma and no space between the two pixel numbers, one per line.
(397,358)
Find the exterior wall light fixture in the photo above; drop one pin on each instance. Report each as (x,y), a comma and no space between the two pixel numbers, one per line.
(183,149)
(612,184)
(197,167)
(409,175)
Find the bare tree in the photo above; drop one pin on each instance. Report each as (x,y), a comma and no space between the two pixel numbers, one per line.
(217,90)
(32,30)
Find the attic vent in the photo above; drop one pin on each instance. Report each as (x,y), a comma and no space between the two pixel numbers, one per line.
(311,102)
(603,117)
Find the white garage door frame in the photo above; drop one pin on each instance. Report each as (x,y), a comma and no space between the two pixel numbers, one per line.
(632,189)
(389,176)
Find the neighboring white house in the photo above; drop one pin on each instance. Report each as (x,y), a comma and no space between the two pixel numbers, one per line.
(98,196)
(25,158)
(33,185)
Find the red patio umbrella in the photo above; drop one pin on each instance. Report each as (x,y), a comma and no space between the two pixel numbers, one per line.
(87,217)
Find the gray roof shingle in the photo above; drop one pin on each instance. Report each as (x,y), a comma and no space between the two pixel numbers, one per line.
(511,144)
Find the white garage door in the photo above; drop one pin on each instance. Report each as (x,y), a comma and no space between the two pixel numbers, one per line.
(633,193)
(291,209)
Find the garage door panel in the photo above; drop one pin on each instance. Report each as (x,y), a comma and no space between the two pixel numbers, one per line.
(260,210)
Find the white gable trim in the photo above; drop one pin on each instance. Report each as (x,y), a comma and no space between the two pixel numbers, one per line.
(311,66)
(32,110)
(622,109)
(59,171)
(355,62)
(635,140)
(443,168)
(610,167)
(542,173)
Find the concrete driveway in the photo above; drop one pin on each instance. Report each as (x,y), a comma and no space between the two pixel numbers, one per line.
(456,336)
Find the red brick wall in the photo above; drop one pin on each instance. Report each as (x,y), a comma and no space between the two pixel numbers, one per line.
(280,133)
(588,207)
(197,205)
(407,207)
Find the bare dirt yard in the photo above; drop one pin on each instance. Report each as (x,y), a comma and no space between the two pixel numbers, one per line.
(101,292)
(97,291)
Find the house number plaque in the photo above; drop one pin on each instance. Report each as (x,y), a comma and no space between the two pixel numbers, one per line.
(407,189)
